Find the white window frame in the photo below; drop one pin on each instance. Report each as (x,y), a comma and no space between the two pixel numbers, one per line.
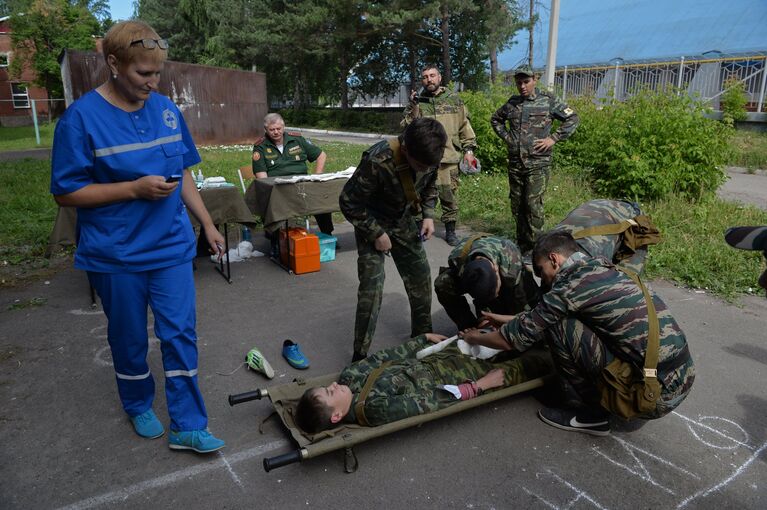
(19,98)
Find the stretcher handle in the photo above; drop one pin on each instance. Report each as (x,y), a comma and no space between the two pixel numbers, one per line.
(282,460)
(247,397)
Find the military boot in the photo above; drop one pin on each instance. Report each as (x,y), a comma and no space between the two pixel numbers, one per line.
(450,237)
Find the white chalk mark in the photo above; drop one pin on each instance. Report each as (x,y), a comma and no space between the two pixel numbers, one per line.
(639,469)
(579,494)
(231,471)
(171,478)
(743,443)
(80,311)
(726,481)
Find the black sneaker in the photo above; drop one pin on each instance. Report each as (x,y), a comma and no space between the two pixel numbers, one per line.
(358,357)
(588,421)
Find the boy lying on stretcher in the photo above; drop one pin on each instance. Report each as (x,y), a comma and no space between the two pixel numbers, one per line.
(400,385)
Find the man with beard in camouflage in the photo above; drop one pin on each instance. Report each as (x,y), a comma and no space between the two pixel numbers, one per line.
(395,180)
(524,123)
(593,314)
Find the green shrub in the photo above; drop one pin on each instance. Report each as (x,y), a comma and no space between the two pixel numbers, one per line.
(366,120)
(491,150)
(733,101)
(651,146)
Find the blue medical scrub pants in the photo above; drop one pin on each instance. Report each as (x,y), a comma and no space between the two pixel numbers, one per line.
(171,295)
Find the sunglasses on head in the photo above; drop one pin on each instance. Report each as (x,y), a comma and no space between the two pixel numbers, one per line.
(151,44)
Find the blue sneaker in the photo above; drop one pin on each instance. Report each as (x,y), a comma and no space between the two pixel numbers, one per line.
(292,353)
(200,441)
(147,425)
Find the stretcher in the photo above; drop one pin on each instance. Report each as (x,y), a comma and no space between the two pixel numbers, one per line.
(284,397)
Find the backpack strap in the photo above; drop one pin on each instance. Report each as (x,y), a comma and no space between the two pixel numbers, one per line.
(405,175)
(467,246)
(605,230)
(653,337)
(359,407)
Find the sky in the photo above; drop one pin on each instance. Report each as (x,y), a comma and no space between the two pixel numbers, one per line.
(121,9)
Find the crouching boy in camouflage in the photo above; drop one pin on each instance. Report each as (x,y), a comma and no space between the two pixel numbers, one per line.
(592,314)
(406,386)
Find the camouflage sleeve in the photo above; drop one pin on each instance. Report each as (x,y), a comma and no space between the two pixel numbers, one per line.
(398,352)
(498,121)
(429,197)
(412,112)
(312,151)
(529,327)
(466,132)
(259,164)
(567,116)
(388,408)
(355,196)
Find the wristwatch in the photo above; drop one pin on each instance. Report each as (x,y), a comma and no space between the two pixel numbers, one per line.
(468,151)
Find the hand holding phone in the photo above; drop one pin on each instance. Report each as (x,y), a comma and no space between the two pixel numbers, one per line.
(173,178)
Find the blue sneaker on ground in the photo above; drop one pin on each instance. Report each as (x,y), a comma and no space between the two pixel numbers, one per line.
(147,425)
(200,441)
(292,353)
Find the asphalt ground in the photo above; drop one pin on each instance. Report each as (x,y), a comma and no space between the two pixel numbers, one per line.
(66,443)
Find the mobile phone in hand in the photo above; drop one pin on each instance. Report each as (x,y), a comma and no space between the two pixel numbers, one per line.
(173,178)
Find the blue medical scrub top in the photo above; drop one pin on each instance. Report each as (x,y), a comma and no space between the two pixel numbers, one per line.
(96,142)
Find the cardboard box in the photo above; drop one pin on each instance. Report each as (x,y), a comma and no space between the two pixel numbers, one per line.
(327,247)
(299,250)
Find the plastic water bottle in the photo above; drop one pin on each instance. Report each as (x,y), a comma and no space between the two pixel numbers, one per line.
(245,233)
(199,179)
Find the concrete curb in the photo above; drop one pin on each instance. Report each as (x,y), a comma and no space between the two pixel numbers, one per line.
(742,170)
(338,133)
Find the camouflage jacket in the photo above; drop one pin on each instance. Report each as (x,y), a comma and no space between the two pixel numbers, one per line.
(504,253)
(529,120)
(604,212)
(374,198)
(448,109)
(613,307)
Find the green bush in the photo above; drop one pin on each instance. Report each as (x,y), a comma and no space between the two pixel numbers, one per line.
(354,119)
(733,101)
(491,150)
(651,146)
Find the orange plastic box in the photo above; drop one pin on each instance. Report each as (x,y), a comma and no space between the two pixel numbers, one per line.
(299,250)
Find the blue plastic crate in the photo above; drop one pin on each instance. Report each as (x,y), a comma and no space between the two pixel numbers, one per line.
(327,247)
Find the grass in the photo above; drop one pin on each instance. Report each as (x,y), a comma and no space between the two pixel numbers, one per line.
(750,150)
(20,138)
(693,252)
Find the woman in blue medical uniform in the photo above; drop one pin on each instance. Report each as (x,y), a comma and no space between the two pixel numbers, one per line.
(120,155)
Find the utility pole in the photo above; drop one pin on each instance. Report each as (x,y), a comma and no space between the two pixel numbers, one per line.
(551,55)
(530,31)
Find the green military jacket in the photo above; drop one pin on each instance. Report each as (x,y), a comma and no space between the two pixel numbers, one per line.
(296,151)
(521,121)
(603,212)
(373,197)
(613,307)
(448,109)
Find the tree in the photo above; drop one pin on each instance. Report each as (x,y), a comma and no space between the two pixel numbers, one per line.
(43,31)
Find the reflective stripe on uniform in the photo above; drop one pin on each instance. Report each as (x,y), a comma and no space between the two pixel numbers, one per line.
(176,373)
(132,377)
(117,149)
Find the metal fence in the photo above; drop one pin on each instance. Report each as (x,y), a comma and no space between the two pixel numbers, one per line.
(704,76)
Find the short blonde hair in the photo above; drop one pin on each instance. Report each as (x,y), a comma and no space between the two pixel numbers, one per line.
(117,42)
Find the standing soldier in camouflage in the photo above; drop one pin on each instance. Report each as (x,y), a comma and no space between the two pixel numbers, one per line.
(437,102)
(529,116)
(395,180)
(407,386)
(593,314)
(491,271)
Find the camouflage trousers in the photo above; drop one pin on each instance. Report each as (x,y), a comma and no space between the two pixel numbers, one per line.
(526,189)
(580,356)
(410,258)
(447,186)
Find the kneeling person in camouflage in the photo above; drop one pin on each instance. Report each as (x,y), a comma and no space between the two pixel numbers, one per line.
(593,314)
(406,386)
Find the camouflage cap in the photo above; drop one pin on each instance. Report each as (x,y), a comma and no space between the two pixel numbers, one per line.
(524,71)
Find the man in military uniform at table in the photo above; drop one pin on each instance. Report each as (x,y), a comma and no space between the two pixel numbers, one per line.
(281,154)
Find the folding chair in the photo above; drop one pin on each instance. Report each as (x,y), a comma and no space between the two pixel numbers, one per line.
(245,172)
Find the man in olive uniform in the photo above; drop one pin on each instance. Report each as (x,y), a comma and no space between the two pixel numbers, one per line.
(529,116)
(281,154)
(395,180)
(490,270)
(442,104)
